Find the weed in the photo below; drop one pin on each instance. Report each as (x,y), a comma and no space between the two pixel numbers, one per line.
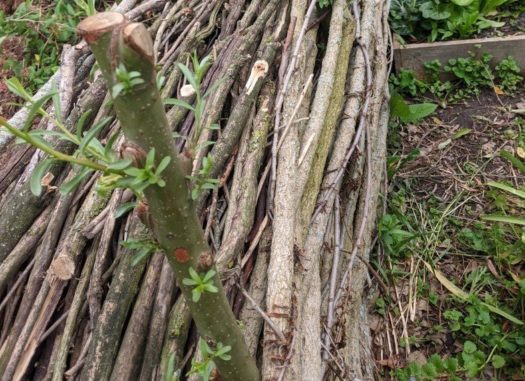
(508,74)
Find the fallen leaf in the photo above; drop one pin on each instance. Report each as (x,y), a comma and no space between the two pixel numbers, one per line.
(417,357)
(444,144)
(461,132)
(520,152)
(458,292)
(498,90)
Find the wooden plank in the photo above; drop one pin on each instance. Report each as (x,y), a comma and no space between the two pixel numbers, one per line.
(413,56)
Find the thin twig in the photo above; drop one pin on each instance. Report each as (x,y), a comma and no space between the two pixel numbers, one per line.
(262,313)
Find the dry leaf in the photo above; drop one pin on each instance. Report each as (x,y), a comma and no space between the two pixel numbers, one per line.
(498,90)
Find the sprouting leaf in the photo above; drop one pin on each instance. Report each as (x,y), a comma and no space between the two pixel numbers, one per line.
(38,134)
(34,110)
(124,208)
(163,164)
(39,172)
(150,158)
(506,188)
(190,77)
(80,124)
(109,144)
(141,255)
(178,102)
(409,113)
(14,86)
(194,275)
(75,181)
(117,89)
(120,164)
(92,132)
(420,111)
(195,295)
(514,160)
(444,144)
(209,275)
(189,282)
(469,347)
(56,103)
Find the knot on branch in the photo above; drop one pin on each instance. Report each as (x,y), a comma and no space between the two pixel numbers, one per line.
(259,70)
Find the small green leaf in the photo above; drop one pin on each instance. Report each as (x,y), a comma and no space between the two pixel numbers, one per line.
(92,132)
(498,361)
(141,255)
(150,158)
(163,164)
(209,275)
(469,347)
(211,288)
(117,89)
(14,85)
(75,181)
(124,208)
(35,109)
(80,124)
(462,3)
(178,102)
(189,282)
(56,104)
(190,77)
(505,219)
(195,295)
(38,134)
(109,144)
(38,173)
(120,164)
(194,275)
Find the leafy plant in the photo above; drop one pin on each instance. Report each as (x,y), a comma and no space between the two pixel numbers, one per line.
(324,3)
(202,283)
(409,112)
(144,247)
(125,81)
(195,80)
(205,367)
(508,74)
(442,19)
(203,182)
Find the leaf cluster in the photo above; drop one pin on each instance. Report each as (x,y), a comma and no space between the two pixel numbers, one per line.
(204,367)
(468,76)
(202,282)
(442,19)
(126,80)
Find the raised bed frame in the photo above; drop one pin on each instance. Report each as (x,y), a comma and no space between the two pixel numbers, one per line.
(413,56)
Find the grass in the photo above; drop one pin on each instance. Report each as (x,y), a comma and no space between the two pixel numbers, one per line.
(40,29)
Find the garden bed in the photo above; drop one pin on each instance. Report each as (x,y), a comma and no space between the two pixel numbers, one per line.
(414,56)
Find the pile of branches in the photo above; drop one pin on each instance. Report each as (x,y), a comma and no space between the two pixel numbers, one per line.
(300,97)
